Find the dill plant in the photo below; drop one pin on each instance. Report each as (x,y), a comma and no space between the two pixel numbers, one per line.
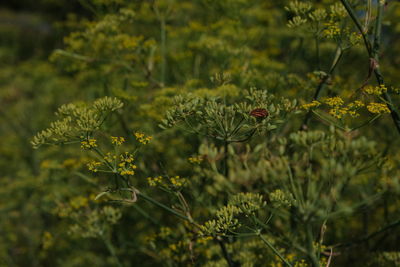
(221,133)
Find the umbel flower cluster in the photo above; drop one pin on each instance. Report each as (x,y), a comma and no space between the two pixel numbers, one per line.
(231,122)
(81,123)
(77,123)
(228,217)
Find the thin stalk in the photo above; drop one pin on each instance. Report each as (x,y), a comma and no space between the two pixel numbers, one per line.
(227,256)
(163,50)
(324,80)
(353,16)
(372,235)
(160,205)
(310,245)
(367,122)
(317,51)
(226,157)
(373,53)
(111,249)
(276,252)
(145,214)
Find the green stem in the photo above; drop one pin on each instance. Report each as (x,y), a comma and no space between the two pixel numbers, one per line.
(367,122)
(111,249)
(353,16)
(373,53)
(226,157)
(310,245)
(324,80)
(317,51)
(276,252)
(145,214)
(155,202)
(227,255)
(163,50)
(329,121)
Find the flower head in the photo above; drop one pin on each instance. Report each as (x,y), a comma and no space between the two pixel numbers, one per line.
(89,143)
(378,108)
(142,138)
(115,140)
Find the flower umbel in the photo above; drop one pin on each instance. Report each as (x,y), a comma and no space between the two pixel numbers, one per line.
(142,138)
(89,144)
(313,104)
(377,90)
(378,108)
(126,166)
(93,166)
(115,140)
(334,101)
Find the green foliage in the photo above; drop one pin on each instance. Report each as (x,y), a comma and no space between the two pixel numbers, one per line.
(200,133)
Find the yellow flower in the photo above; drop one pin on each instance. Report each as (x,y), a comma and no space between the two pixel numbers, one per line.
(313,104)
(377,90)
(195,160)
(126,166)
(89,144)
(117,140)
(109,158)
(177,181)
(356,104)
(332,29)
(142,138)
(334,101)
(154,181)
(92,166)
(338,112)
(126,157)
(378,108)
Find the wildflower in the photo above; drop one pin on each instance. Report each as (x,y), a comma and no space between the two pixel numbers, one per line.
(280,198)
(338,112)
(355,38)
(142,138)
(195,160)
(356,104)
(377,90)
(109,158)
(126,166)
(89,143)
(177,181)
(154,181)
(93,166)
(313,104)
(332,29)
(378,108)
(126,157)
(353,113)
(334,101)
(117,140)
(127,169)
